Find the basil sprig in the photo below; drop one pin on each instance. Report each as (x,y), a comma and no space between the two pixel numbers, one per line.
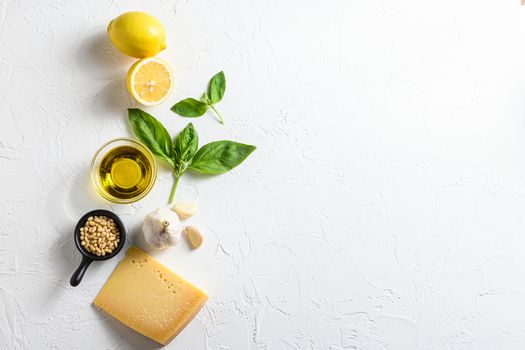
(183,152)
(192,108)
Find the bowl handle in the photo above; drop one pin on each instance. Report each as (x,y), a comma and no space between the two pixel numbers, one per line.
(79,273)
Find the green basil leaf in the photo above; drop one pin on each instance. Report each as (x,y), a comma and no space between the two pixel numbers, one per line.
(152,133)
(220,156)
(186,143)
(190,107)
(216,87)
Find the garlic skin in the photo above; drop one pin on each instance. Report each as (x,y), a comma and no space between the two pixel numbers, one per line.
(162,228)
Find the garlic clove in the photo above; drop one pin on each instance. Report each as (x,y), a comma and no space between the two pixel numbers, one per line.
(194,237)
(185,209)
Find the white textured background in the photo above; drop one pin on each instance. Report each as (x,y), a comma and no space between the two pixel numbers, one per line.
(384,206)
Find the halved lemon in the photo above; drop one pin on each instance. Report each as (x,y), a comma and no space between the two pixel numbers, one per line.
(150,81)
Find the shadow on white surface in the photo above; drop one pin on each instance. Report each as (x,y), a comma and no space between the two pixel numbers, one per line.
(104,62)
(97,57)
(113,98)
(136,238)
(128,338)
(82,196)
(63,258)
(70,201)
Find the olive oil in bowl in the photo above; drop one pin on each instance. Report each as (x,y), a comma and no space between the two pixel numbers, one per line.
(123,171)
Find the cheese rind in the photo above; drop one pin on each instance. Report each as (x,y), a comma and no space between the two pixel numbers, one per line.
(149,298)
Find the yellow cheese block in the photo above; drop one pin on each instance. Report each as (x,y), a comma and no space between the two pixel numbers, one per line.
(148,297)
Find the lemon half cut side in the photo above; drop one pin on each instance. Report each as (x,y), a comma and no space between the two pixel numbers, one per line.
(150,81)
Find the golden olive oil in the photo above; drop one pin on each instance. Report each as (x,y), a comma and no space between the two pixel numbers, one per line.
(125,172)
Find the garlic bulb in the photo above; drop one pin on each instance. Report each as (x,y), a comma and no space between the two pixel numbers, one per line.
(162,228)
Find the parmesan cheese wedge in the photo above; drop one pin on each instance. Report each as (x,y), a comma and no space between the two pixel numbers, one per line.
(149,298)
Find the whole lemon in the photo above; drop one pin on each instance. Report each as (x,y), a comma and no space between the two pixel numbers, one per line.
(137,34)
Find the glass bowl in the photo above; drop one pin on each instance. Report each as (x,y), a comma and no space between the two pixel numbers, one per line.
(147,162)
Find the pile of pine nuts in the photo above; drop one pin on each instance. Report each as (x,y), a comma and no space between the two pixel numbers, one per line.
(100,235)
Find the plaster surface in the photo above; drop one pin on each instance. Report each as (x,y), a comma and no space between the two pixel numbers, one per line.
(384,206)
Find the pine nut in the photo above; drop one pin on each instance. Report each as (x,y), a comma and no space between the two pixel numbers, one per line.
(99,235)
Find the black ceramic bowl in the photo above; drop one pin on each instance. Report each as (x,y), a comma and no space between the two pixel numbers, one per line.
(87,257)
